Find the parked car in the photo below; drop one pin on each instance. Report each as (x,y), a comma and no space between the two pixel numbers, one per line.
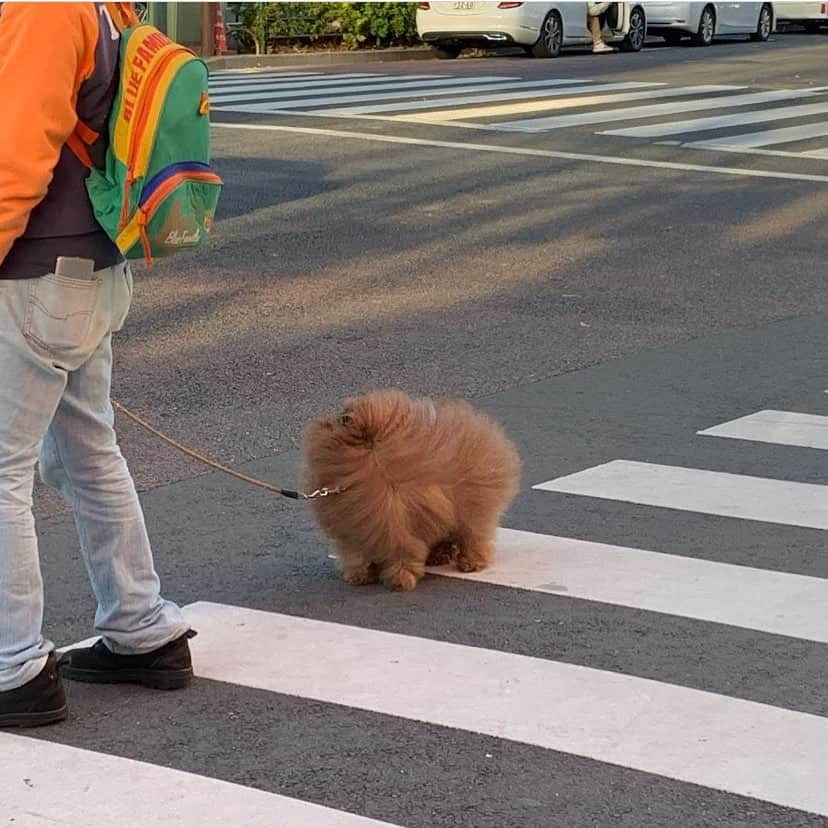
(811,16)
(542,29)
(703,22)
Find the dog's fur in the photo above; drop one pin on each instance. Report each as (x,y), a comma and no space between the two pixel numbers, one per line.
(426,482)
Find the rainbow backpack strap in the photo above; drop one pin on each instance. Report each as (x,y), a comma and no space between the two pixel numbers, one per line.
(157,193)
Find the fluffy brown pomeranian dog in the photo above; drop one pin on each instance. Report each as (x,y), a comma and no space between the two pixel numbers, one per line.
(424,482)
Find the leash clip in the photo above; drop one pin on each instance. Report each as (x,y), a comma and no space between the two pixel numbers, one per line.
(323,492)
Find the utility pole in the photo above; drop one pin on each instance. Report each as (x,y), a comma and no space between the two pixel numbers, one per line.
(208,31)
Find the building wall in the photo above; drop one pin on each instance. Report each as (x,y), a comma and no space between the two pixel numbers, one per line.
(181,21)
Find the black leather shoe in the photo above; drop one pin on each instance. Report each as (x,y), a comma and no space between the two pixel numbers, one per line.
(40,701)
(167,668)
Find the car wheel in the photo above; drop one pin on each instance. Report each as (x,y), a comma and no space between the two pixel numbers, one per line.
(446,52)
(707,28)
(551,37)
(638,31)
(672,38)
(764,25)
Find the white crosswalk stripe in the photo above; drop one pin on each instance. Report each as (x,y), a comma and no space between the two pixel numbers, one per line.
(654,111)
(460,117)
(675,732)
(272,80)
(787,428)
(333,83)
(678,732)
(51,784)
(720,121)
(234,75)
(366,91)
(486,102)
(698,490)
(685,734)
(774,602)
(767,138)
(545,90)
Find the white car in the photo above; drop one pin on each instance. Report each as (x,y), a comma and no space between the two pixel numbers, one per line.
(542,29)
(813,16)
(703,22)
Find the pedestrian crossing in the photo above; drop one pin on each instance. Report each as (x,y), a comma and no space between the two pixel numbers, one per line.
(774,602)
(721,742)
(677,732)
(787,428)
(110,790)
(491,102)
(699,490)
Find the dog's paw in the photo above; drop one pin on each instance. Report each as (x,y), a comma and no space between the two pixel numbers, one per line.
(399,578)
(362,576)
(470,563)
(404,581)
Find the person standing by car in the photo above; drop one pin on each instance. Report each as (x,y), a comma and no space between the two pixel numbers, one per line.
(595,23)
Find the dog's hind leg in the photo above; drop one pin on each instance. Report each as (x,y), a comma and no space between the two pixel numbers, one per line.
(442,553)
(476,549)
(407,567)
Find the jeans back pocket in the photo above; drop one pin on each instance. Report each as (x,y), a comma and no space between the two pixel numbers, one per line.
(59,312)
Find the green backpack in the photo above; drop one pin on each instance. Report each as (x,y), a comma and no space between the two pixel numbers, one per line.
(157,193)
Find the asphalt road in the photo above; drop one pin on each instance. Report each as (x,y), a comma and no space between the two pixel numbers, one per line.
(605,308)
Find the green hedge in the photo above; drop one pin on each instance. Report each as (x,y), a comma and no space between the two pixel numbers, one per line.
(354,25)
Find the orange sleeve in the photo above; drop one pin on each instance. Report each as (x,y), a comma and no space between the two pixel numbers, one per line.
(123,15)
(46,51)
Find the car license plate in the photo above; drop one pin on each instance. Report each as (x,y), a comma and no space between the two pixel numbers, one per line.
(464,4)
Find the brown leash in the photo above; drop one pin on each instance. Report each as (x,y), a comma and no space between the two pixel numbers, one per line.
(323,492)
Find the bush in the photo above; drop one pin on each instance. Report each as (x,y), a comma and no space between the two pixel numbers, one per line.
(355,25)
(378,24)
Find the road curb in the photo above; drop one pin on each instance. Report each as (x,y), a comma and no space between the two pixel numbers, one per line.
(317,58)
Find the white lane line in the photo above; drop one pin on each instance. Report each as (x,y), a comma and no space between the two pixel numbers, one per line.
(697,490)
(779,603)
(820,153)
(465,146)
(326,84)
(786,428)
(719,121)
(703,738)
(535,90)
(400,89)
(657,110)
(47,783)
(574,102)
(766,138)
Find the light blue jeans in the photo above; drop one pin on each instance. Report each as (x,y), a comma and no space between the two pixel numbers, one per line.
(55,376)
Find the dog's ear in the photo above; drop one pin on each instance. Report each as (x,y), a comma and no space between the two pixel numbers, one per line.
(349,415)
(353,422)
(362,418)
(370,417)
